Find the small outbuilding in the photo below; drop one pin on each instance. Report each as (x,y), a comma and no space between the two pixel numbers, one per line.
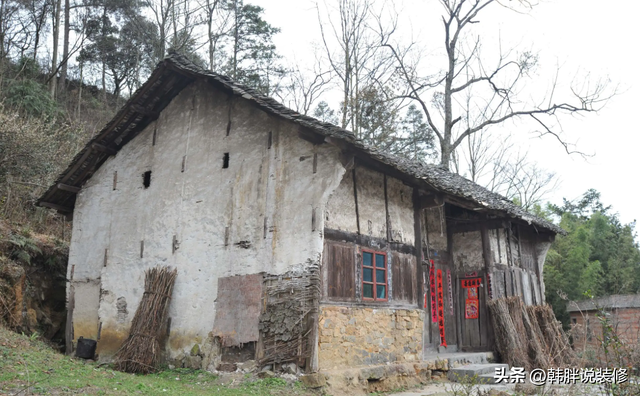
(620,312)
(294,241)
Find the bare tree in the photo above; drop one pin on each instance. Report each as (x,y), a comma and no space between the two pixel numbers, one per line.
(358,61)
(496,164)
(469,95)
(304,87)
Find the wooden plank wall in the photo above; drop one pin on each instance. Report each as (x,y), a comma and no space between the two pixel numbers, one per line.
(403,272)
(339,275)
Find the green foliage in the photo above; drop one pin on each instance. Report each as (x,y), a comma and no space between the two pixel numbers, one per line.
(250,56)
(599,254)
(31,98)
(466,386)
(24,248)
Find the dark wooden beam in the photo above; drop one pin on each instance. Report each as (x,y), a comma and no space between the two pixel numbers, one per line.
(477,225)
(431,201)
(104,149)
(56,207)
(76,165)
(311,137)
(153,115)
(66,187)
(367,241)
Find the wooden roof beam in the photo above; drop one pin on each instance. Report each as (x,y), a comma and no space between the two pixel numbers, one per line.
(59,208)
(66,187)
(104,149)
(431,201)
(153,115)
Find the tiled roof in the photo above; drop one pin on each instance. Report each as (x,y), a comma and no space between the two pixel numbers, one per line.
(175,72)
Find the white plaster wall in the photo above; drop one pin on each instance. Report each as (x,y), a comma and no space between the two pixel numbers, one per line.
(197,205)
(400,202)
(371,202)
(341,208)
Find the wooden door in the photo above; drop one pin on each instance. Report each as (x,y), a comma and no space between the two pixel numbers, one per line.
(476,332)
(432,337)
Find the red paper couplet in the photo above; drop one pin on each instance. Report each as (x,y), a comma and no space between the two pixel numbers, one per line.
(474,282)
(443,341)
(432,284)
(450,291)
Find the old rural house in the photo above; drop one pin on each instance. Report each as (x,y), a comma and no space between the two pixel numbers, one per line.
(294,242)
(622,313)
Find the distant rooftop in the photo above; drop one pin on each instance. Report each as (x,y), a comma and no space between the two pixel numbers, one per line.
(606,302)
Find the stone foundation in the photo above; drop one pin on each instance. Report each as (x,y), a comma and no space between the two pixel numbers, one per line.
(358,336)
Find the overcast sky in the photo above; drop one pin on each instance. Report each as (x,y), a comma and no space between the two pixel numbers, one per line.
(581,36)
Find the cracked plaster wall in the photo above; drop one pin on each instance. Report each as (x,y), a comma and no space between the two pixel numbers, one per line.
(216,215)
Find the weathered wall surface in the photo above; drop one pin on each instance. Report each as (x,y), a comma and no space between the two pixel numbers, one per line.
(587,328)
(400,206)
(436,229)
(497,242)
(467,251)
(356,336)
(371,202)
(254,216)
(374,201)
(341,209)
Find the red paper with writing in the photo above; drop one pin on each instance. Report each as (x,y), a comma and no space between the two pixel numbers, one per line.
(432,286)
(443,341)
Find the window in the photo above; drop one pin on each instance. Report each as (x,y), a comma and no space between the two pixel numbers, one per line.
(146,179)
(374,276)
(225,161)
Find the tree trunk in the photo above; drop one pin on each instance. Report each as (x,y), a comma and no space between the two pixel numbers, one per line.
(65,48)
(79,94)
(56,35)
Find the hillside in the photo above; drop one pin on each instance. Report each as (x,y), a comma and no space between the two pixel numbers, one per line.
(32,283)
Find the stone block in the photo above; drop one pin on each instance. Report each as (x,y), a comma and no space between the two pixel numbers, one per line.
(247,366)
(195,362)
(315,380)
(373,373)
(266,374)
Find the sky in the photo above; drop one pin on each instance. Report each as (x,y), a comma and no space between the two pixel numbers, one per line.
(584,37)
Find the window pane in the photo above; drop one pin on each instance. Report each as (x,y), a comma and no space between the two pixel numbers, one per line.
(379,261)
(367,291)
(381,291)
(367,274)
(380,275)
(367,259)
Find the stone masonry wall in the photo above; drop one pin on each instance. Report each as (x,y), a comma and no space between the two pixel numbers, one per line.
(357,336)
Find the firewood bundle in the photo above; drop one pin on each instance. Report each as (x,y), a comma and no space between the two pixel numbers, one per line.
(529,337)
(141,350)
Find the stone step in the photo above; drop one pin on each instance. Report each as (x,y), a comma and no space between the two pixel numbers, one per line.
(461,358)
(480,370)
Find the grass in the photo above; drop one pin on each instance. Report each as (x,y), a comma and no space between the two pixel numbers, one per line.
(29,366)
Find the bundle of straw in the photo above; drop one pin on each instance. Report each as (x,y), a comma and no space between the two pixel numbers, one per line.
(555,338)
(508,341)
(141,350)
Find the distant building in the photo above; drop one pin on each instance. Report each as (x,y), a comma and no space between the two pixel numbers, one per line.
(622,312)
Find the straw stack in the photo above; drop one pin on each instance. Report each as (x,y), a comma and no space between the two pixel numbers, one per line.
(141,350)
